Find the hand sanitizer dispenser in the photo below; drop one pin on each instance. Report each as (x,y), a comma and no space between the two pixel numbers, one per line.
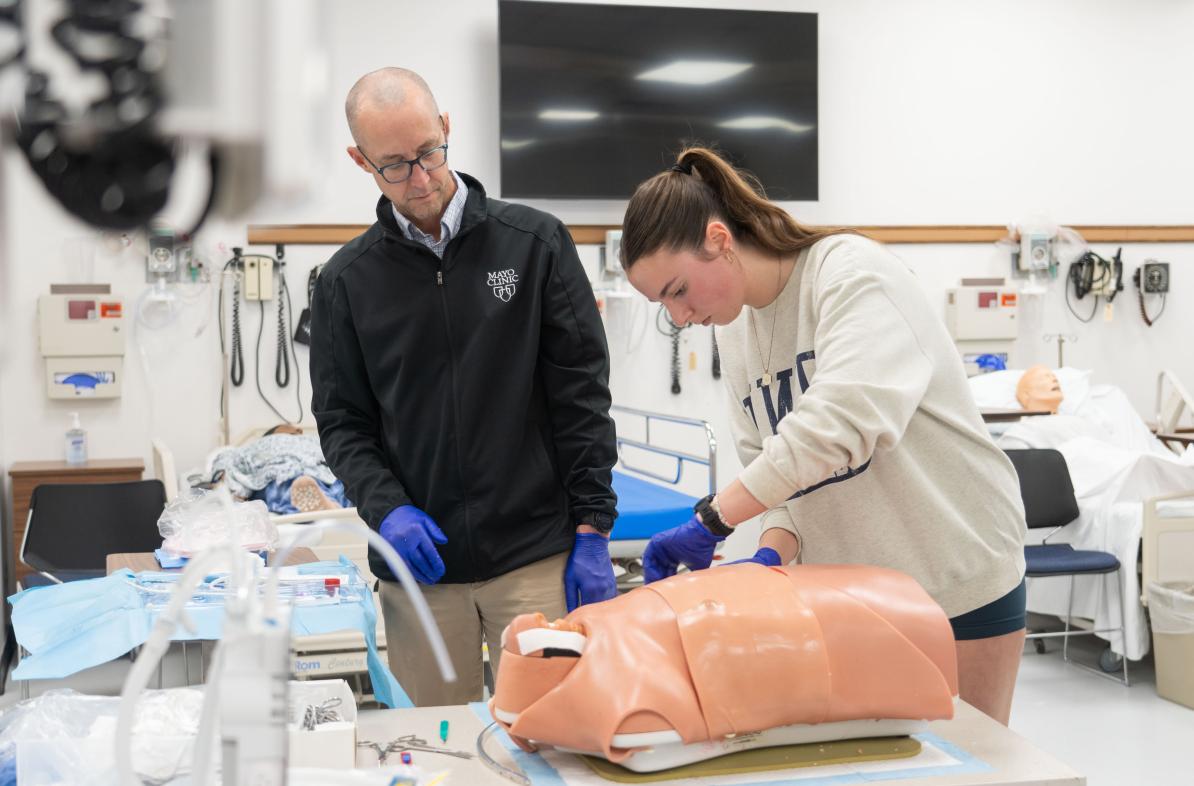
(76,442)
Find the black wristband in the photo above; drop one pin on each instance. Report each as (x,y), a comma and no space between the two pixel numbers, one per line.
(602,522)
(711,518)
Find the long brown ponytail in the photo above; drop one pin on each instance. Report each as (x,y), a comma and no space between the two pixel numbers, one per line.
(672,209)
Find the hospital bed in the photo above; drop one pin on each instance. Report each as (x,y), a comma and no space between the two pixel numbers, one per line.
(1175,406)
(665,464)
(322,656)
(1116,465)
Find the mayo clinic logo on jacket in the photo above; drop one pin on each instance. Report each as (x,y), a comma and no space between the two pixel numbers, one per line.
(502,282)
(777,399)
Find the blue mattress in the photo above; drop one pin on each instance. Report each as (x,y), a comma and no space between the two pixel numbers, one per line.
(645,508)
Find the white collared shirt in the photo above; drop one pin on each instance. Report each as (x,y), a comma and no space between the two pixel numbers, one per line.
(449,223)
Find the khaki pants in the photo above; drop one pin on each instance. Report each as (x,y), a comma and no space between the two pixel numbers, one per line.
(463,612)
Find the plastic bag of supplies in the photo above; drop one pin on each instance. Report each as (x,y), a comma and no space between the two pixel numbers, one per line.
(63,736)
(199,519)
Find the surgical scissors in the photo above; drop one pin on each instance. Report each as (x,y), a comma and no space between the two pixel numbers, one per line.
(409,742)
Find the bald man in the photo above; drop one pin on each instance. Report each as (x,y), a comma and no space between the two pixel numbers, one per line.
(460,380)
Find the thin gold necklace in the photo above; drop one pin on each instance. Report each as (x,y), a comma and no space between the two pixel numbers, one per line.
(779,277)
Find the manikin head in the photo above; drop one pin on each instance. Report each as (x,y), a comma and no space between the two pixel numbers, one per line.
(688,229)
(1038,389)
(551,650)
(393,118)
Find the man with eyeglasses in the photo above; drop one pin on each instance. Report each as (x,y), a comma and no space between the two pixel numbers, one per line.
(460,378)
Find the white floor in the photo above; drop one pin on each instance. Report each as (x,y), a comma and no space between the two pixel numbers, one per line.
(1114,735)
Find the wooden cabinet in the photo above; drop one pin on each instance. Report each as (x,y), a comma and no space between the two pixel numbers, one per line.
(28,475)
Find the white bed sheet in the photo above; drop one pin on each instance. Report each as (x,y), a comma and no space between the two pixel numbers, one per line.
(1115,465)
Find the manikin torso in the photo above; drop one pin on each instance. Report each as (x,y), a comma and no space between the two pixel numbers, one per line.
(728,651)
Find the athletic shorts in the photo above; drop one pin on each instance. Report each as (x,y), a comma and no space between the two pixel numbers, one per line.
(998,617)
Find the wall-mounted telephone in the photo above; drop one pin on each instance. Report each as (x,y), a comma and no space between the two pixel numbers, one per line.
(1151,278)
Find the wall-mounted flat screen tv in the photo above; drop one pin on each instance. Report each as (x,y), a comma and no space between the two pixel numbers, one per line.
(596,98)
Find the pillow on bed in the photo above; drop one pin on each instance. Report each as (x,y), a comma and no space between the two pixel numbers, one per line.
(997,389)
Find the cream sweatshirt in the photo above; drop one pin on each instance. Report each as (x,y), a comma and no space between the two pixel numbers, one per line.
(866,443)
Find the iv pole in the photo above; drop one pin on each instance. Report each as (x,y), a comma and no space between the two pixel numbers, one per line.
(1061,338)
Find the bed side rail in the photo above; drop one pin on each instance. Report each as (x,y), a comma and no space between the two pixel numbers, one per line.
(315,515)
(1173,401)
(652,444)
(164,469)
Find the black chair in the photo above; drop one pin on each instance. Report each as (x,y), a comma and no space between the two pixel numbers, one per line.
(73,527)
(1049,501)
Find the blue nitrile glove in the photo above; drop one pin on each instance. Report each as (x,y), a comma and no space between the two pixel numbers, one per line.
(589,577)
(764,556)
(411,532)
(690,543)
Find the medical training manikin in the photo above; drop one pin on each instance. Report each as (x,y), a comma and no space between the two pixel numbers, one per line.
(694,666)
(1039,390)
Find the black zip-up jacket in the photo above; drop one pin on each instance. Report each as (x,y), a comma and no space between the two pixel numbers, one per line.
(475,389)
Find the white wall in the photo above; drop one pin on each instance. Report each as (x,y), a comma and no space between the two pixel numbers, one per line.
(932,112)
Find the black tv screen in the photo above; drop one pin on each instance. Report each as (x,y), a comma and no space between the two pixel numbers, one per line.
(597,98)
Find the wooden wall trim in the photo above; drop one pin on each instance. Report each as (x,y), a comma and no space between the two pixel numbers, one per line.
(590,234)
(304,234)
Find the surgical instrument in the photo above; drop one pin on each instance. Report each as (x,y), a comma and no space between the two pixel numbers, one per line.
(409,742)
(493,763)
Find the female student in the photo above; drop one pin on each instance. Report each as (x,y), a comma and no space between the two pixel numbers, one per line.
(851,412)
